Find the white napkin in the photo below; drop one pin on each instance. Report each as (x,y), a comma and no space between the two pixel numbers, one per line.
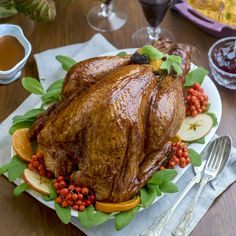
(50,70)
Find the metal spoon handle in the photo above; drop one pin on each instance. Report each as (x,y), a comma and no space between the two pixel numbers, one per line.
(181,229)
(161,221)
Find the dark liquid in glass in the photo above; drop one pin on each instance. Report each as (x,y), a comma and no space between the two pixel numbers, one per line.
(154,10)
(107,2)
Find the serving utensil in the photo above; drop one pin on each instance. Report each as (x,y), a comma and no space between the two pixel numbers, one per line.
(161,221)
(219,151)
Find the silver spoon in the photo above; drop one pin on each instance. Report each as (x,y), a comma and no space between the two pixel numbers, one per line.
(158,225)
(220,154)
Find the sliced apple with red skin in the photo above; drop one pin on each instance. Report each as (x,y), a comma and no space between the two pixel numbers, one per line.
(36,182)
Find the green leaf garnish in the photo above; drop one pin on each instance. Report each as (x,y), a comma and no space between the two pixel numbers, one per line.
(124,218)
(195,158)
(172,62)
(89,217)
(20,125)
(28,116)
(64,213)
(51,96)
(168,187)
(122,54)
(53,193)
(20,189)
(195,76)
(32,85)
(163,176)
(148,195)
(16,168)
(57,85)
(152,52)
(4,168)
(47,198)
(66,62)
(201,140)
(213,117)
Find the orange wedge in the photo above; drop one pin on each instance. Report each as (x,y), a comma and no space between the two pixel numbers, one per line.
(21,144)
(117,207)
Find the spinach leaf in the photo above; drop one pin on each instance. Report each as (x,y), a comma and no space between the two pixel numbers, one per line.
(4,168)
(122,54)
(168,187)
(28,116)
(124,218)
(213,117)
(32,85)
(53,193)
(16,168)
(148,195)
(201,141)
(163,176)
(195,76)
(64,213)
(57,85)
(20,189)
(89,217)
(19,125)
(66,62)
(195,158)
(152,52)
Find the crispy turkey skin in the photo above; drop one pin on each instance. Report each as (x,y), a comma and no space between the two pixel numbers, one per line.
(112,129)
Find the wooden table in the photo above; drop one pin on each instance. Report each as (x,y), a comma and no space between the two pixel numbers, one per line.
(24,215)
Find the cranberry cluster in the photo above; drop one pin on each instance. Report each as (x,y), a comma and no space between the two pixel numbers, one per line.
(70,195)
(196,100)
(37,163)
(179,157)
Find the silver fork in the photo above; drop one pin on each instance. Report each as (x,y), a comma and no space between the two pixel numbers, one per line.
(209,173)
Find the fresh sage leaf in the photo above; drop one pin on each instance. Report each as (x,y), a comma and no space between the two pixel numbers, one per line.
(148,195)
(64,213)
(16,168)
(176,59)
(53,95)
(89,217)
(122,54)
(47,198)
(177,69)
(66,62)
(20,125)
(213,117)
(157,188)
(4,168)
(57,85)
(152,52)
(28,116)
(168,187)
(32,85)
(195,76)
(20,189)
(201,140)
(124,218)
(163,176)
(195,158)
(166,66)
(53,193)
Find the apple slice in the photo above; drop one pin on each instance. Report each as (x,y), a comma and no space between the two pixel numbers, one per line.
(194,128)
(35,181)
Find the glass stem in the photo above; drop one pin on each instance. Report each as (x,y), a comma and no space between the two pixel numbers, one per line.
(154,32)
(106,9)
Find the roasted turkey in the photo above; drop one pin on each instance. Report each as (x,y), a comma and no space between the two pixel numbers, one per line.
(112,129)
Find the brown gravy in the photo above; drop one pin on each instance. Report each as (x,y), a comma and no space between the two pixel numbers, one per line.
(11,52)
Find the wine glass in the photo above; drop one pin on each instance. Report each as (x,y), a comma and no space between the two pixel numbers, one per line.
(104,18)
(154,11)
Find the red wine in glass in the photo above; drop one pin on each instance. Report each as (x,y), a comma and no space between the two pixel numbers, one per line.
(154,11)
(104,18)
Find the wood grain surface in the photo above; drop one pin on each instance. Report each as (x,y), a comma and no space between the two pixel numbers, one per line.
(24,215)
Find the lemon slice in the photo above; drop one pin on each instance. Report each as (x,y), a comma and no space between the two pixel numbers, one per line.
(194,128)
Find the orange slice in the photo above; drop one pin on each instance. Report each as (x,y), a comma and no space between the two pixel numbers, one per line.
(156,64)
(117,207)
(35,181)
(21,144)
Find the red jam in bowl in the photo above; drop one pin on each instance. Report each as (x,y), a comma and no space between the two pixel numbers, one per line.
(224,56)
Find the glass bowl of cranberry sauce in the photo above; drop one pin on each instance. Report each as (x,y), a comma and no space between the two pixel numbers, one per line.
(222,60)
